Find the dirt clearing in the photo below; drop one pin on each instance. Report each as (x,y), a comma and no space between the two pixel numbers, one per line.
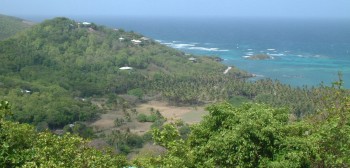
(189,114)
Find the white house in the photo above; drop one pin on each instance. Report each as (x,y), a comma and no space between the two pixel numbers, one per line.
(86,23)
(136,41)
(192,59)
(26,91)
(125,68)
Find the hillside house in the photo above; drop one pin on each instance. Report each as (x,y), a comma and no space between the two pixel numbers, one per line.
(86,23)
(126,68)
(192,59)
(136,42)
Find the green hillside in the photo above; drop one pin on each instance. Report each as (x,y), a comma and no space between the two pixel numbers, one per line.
(50,68)
(9,26)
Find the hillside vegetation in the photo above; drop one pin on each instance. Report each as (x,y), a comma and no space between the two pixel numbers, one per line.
(53,67)
(62,74)
(255,135)
(9,26)
(252,135)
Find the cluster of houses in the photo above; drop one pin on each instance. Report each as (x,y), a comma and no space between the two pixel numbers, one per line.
(134,41)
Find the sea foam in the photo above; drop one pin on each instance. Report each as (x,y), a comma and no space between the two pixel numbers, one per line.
(206,49)
(190,46)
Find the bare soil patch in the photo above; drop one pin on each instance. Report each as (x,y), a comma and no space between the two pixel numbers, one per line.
(190,114)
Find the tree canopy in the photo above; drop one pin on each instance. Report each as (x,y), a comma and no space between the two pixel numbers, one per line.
(22,146)
(9,26)
(256,135)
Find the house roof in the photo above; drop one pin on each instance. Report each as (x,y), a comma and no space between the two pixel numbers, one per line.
(136,41)
(125,68)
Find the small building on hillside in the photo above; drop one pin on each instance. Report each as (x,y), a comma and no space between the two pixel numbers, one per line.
(125,68)
(86,23)
(192,59)
(136,42)
(121,39)
(26,91)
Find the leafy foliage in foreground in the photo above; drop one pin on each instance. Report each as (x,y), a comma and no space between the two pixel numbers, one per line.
(249,136)
(256,135)
(252,135)
(22,146)
(332,125)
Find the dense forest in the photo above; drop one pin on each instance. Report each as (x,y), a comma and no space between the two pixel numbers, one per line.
(51,72)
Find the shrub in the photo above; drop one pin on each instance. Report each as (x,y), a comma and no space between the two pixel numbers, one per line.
(142,118)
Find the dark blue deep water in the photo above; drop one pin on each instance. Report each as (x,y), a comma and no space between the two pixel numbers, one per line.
(305,52)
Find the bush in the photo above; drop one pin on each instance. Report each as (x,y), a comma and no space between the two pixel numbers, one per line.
(147,137)
(124,148)
(138,92)
(142,118)
(158,123)
(79,129)
(147,118)
(184,131)
(152,118)
(118,122)
(42,126)
(134,141)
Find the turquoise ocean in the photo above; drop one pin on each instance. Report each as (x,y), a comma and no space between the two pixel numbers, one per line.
(304,51)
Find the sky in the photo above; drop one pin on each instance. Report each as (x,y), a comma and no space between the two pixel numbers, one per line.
(179,8)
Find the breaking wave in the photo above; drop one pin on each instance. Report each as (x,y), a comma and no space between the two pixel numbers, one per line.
(190,46)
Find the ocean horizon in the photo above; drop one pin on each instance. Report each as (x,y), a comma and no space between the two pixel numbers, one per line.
(304,52)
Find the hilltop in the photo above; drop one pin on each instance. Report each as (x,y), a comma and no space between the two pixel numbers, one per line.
(9,26)
(50,68)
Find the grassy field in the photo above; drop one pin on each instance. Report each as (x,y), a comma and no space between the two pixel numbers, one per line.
(189,114)
(106,125)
